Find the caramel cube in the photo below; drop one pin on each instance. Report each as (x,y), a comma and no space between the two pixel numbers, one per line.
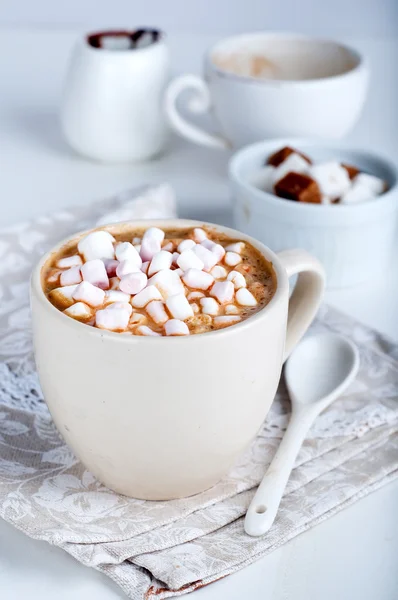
(351,170)
(295,186)
(278,157)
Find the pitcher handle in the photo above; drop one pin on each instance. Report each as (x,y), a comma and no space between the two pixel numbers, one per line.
(200,103)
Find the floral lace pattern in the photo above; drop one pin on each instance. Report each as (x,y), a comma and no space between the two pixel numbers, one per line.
(162,549)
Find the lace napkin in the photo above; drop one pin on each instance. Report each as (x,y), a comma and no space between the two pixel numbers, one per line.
(163,549)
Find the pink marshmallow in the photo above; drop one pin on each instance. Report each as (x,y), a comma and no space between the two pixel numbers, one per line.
(110,266)
(149,247)
(133,283)
(94,272)
(223,291)
(89,294)
(112,319)
(71,276)
(176,327)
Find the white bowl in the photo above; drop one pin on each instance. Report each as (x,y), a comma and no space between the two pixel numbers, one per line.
(353,242)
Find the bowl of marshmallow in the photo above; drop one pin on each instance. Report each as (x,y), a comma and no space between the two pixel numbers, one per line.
(338,203)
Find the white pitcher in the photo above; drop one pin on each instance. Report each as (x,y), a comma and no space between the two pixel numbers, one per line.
(112,105)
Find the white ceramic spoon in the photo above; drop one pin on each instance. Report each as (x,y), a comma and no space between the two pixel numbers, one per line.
(319,370)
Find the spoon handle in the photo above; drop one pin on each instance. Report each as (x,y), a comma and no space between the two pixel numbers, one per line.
(265,503)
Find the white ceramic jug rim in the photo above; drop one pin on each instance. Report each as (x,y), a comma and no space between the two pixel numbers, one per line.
(122,52)
(361,62)
(282,283)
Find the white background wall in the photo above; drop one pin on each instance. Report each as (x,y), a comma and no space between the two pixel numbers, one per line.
(341,17)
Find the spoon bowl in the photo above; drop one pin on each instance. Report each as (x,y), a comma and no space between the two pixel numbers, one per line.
(321,366)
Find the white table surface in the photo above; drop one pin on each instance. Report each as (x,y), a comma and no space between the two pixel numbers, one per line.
(353,555)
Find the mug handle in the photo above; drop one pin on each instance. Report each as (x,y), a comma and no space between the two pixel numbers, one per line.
(200,103)
(307,294)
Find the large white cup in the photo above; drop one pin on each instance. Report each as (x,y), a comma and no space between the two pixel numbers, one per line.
(317,89)
(112,109)
(163,417)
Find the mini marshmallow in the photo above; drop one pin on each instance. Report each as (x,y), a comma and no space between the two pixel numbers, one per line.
(209,306)
(71,276)
(125,305)
(231,309)
(189,260)
(133,283)
(79,311)
(154,233)
(208,257)
(332,179)
(169,247)
(126,267)
(110,266)
(115,42)
(156,311)
(186,245)
(144,330)
(176,256)
(138,248)
(114,283)
(161,260)
(237,279)
(112,296)
(195,296)
(179,272)
(245,298)
(179,307)
(94,272)
(218,272)
(138,318)
(54,276)
(376,185)
(264,179)
(199,235)
(226,320)
(69,261)
(89,293)
(232,259)
(294,163)
(168,283)
(176,327)
(112,319)
(142,298)
(193,278)
(194,307)
(217,249)
(136,240)
(149,247)
(62,297)
(223,291)
(126,251)
(97,244)
(145,267)
(237,247)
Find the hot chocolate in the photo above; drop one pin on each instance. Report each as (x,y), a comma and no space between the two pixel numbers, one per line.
(158,282)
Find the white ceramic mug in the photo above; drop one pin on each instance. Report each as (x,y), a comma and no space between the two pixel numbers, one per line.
(161,418)
(312,88)
(112,108)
